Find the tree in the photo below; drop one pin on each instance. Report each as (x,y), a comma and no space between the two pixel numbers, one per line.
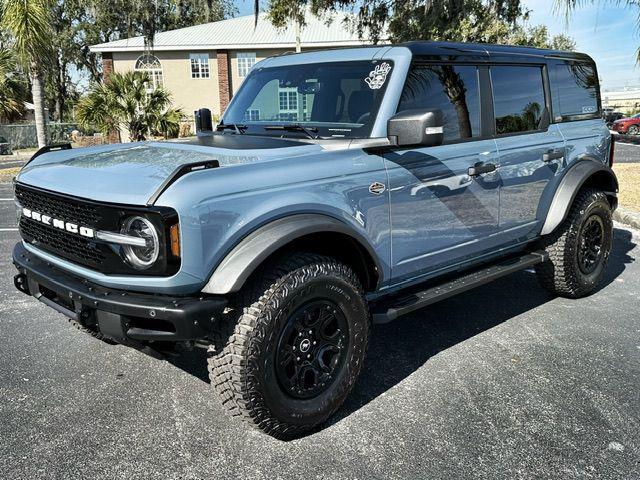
(28,23)
(485,21)
(13,89)
(101,21)
(126,101)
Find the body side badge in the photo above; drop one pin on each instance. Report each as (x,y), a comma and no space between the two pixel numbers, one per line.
(377,188)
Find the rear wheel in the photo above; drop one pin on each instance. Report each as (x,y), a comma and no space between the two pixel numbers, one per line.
(579,248)
(289,353)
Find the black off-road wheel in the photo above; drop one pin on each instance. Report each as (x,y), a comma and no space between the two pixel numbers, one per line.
(579,248)
(289,351)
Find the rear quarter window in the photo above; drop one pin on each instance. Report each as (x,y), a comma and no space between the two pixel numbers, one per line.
(574,91)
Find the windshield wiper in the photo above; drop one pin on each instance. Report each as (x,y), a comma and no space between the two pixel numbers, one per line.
(237,127)
(310,132)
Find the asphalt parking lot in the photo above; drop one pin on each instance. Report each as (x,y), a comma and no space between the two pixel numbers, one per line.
(627,153)
(501,382)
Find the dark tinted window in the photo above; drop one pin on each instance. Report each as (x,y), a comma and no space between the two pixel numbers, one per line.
(574,87)
(453,89)
(518,98)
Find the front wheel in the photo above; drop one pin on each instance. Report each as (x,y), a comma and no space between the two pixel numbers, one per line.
(633,130)
(294,345)
(579,249)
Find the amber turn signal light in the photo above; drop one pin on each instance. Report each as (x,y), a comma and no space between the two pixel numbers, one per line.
(174,235)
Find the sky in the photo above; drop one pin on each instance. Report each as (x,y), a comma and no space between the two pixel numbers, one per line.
(606,32)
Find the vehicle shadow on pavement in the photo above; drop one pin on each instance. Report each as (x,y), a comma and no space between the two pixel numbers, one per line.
(398,349)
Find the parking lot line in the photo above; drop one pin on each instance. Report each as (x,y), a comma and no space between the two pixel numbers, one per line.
(7,199)
(8,229)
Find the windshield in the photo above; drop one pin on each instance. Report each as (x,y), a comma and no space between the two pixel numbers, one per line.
(338,99)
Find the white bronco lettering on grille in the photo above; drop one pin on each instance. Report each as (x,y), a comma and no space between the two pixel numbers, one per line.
(57,223)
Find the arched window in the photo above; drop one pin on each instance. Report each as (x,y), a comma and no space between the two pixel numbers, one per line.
(150,64)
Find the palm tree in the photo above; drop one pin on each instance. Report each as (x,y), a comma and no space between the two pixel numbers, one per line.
(12,87)
(127,100)
(29,23)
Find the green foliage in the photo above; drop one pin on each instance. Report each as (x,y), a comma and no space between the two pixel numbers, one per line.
(125,100)
(28,22)
(13,88)
(485,21)
(100,21)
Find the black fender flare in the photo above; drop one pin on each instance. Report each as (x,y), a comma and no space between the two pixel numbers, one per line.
(236,267)
(572,181)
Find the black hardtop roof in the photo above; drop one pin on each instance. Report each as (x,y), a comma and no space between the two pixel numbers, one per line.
(487,52)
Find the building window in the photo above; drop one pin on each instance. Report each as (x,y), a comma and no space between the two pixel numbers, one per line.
(246,61)
(288,103)
(252,115)
(150,64)
(199,65)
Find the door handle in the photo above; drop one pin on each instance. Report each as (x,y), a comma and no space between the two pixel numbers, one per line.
(479,169)
(553,155)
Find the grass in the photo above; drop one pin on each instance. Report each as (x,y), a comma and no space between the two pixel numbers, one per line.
(629,178)
(7,174)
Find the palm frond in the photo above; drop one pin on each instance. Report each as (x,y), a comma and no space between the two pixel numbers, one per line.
(29,23)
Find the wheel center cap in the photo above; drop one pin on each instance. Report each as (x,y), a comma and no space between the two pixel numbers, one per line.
(305,345)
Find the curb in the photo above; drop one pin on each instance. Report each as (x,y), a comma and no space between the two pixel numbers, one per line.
(629,218)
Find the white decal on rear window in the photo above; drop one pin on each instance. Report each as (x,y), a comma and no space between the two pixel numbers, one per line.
(590,109)
(378,76)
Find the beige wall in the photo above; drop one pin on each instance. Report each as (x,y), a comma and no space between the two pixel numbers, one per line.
(236,80)
(187,93)
(192,93)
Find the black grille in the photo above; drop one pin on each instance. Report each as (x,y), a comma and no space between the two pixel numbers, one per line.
(69,245)
(107,258)
(59,207)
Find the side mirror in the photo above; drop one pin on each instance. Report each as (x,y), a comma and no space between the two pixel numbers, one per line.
(204,122)
(416,127)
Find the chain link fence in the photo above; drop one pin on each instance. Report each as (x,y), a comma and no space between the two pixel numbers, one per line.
(24,135)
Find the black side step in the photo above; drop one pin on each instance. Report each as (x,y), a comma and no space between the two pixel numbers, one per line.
(408,303)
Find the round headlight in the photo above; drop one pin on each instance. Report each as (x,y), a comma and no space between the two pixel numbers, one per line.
(141,257)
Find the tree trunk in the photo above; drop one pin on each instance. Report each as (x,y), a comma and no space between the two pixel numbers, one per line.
(38,102)
(298,39)
(60,89)
(456,91)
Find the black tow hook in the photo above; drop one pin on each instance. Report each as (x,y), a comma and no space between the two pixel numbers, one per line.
(20,281)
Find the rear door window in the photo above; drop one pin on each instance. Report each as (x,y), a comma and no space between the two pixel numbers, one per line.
(518,98)
(450,88)
(574,89)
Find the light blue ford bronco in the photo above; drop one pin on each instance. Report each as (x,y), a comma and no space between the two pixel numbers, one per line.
(340,189)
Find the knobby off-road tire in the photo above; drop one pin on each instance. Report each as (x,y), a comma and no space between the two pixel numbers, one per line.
(299,313)
(579,248)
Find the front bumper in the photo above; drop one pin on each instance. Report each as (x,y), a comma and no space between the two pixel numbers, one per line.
(122,316)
